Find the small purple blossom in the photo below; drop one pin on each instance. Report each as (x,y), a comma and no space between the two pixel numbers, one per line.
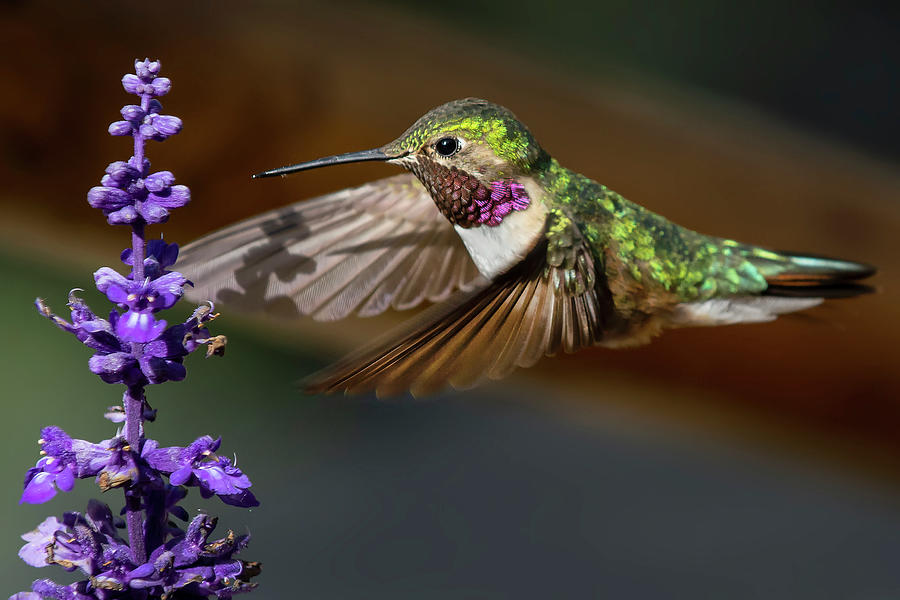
(198,465)
(132,346)
(133,196)
(163,351)
(159,257)
(63,460)
(42,480)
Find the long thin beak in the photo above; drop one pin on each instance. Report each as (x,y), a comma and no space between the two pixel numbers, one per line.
(340,159)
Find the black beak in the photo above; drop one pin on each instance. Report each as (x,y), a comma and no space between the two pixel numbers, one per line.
(340,159)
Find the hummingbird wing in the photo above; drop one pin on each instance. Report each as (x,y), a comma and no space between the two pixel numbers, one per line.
(531,311)
(360,250)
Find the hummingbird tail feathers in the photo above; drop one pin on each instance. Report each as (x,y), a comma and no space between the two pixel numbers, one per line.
(795,282)
(795,275)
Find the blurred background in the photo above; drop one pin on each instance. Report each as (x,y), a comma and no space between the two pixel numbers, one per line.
(741,462)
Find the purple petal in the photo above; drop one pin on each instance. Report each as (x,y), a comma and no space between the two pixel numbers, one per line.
(104,277)
(65,481)
(165,459)
(161,86)
(153,212)
(146,69)
(167,124)
(130,83)
(156,182)
(145,570)
(139,326)
(158,370)
(180,476)
(173,197)
(121,172)
(113,367)
(215,479)
(39,489)
(148,131)
(169,288)
(229,570)
(125,216)
(95,326)
(117,294)
(120,128)
(245,499)
(34,552)
(108,198)
(132,112)
(168,345)
(167,255)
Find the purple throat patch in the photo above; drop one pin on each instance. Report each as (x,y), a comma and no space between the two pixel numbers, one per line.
(465,201)
(506,196)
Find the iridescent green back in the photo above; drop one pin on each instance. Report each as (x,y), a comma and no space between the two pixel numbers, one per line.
(634,243)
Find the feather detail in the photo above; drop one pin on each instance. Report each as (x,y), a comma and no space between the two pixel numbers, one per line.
(360,250)
(728,311)
(522,316)
(790,274)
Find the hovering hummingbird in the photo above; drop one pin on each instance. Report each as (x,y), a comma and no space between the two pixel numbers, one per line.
(522,257)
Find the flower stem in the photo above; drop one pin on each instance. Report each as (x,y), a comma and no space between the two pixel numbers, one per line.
(138,251)
(134,395)
(134,407)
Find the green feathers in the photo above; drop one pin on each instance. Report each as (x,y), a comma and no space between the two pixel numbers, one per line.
(507,137)
(639,245)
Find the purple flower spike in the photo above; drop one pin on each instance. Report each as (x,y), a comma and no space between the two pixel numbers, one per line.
(133,347)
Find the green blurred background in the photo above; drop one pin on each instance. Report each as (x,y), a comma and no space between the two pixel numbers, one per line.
(739,462)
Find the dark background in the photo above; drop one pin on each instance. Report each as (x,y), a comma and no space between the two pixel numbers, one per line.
(741,462)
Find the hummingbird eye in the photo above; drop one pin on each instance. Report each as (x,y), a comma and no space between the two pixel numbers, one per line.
(447,146)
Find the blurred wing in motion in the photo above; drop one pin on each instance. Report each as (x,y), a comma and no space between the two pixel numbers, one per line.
(532,311)
(359,250)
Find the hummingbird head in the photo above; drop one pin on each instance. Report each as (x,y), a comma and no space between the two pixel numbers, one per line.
(472,156)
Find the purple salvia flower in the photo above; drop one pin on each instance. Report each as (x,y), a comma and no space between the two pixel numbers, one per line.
(154,294)
(133,347)
(42,480)
(197,465)
(64,460)
(128,195)
(34,552)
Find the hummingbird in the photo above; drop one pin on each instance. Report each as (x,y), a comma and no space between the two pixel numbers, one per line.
(519,256)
